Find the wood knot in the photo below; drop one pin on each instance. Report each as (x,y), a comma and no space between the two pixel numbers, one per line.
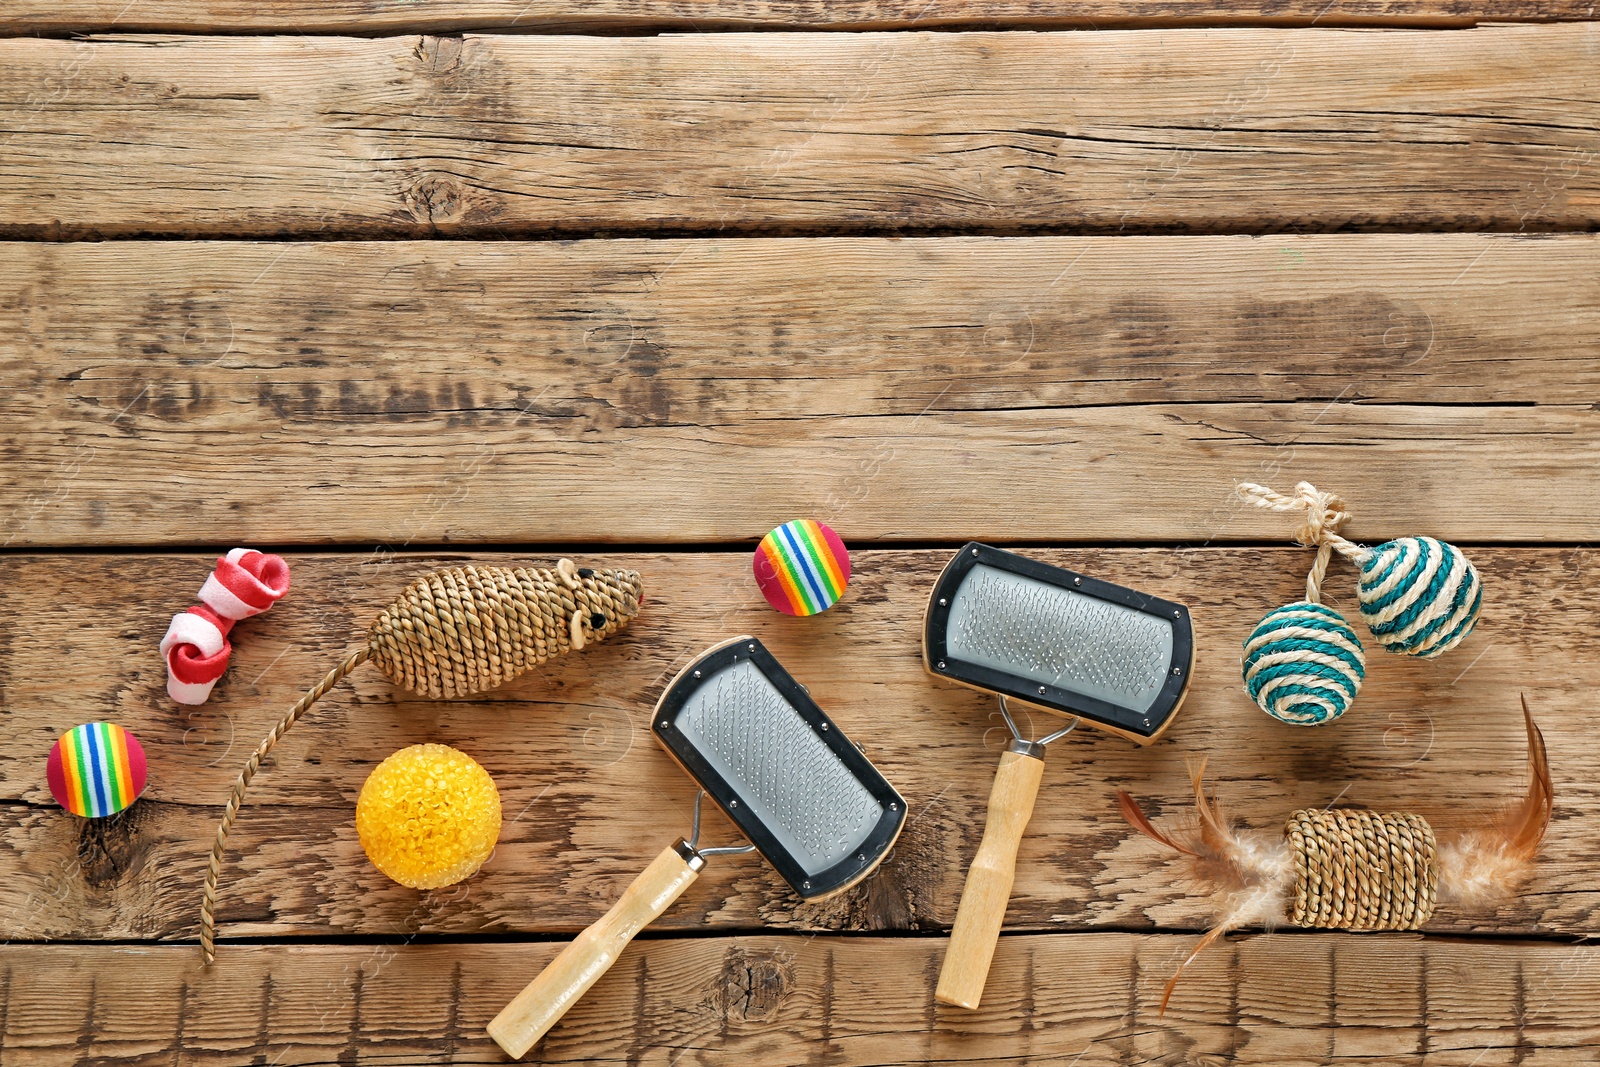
(439,55)
(754,982)
(435,198)
(108,849)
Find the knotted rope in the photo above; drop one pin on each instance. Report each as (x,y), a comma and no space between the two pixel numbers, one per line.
(1361,870)
(1324,514)
(452,633)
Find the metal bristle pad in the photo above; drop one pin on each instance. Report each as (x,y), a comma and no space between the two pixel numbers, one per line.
(1059,637)
(778,766)
(781,769)
(1060,641)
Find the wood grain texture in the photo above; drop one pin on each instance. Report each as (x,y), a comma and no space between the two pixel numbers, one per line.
(1117,131)
(1085,999)
(366,17)
(589,798)
(890,324)
(1038,388)
(468,474)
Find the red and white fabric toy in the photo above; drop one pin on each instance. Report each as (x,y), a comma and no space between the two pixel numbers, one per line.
(245,583)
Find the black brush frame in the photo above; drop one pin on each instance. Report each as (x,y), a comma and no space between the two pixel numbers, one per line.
(847,871)
(1141,726)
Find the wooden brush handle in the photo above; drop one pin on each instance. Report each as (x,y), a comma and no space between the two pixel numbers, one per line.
(989,879)
(546,999)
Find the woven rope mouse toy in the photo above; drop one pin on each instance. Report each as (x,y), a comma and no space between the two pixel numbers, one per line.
(454,632)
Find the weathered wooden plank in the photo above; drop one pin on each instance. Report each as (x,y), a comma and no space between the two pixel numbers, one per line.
(422,392)
(891,324)
(1086,999)
(447,16)
(313,468)
(589,798)
(1119,131)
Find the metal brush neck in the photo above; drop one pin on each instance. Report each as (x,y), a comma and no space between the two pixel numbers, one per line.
(690,850)
(689,854)
(1024,747)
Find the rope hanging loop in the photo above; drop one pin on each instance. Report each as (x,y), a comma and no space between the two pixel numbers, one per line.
(1323,515)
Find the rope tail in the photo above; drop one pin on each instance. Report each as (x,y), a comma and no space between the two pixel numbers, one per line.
(208,906)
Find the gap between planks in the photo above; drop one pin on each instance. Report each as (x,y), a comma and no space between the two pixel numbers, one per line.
(372,17)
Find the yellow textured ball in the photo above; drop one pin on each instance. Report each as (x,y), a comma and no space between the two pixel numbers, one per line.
(428,816)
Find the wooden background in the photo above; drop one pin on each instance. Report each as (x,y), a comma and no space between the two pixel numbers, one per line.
(382,285)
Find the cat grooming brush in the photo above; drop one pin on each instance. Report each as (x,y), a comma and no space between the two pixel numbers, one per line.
(1060,642)
(797,788)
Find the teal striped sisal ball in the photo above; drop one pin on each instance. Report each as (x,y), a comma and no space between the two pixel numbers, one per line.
(1419,596)
(1303,664)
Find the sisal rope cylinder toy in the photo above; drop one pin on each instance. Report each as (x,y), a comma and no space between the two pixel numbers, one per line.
(1353,869)
(451,633)
(1362,870)
(1303,663)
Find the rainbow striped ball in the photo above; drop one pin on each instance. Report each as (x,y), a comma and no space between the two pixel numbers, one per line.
(802,567)
(96,769)
(1303,664)
(1419,596)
